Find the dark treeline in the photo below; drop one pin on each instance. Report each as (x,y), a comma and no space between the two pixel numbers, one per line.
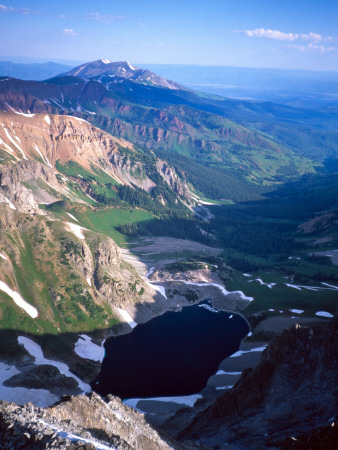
(244,264)
(214,182)
(179,228)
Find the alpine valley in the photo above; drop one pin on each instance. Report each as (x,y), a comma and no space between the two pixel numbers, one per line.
(125,196)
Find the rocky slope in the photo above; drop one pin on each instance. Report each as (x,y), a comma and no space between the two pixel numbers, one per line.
(291,392)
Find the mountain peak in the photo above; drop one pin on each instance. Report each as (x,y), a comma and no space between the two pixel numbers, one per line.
(120,70)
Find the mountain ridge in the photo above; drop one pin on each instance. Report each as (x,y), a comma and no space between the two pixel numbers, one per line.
(119,70)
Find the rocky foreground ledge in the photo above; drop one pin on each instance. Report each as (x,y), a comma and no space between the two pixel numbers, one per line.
(289,401)
(85,422)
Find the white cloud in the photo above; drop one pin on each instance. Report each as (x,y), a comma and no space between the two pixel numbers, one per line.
(281,36)
(313,47)
(70,32)
(10,9)
(104,18)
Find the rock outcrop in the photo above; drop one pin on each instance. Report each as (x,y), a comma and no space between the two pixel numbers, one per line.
(12,184)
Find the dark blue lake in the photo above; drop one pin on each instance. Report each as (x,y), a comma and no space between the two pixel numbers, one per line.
(173,354)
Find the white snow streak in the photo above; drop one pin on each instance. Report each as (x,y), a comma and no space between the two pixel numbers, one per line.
(323,314)
(10,203)
(269,285)
(13,141)
(296,311)
(33,312)
(72,217)
(3,256)
(75,437)
(241,352)
(220,287)
(44,158)
(127,317)
(222,372)
(159,289)
(47,119)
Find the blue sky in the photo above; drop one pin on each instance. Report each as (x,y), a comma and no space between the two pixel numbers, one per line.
(296,34)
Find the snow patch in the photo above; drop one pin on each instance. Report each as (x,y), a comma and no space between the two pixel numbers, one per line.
(261,282)
(30,310)
(222,372)
(10,203)
(130,66)
(242,352)
(47,119)
(35,350)
(76,230)
(293,286)
(44,158)
(330,285)
(159,289)
(3,256)
(14,142)
(106,61)
(296,311)
(220,287)
(323,314)
(150,271)
(89,281)
(72,217)
(86,349)
(127,317)
(19,395)
(209,308)
(314,288)
(24,114)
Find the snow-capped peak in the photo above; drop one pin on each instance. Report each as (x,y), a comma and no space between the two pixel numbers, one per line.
(106,61)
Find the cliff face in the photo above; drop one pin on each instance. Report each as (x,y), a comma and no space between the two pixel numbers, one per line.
(13,189)
(292,391)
